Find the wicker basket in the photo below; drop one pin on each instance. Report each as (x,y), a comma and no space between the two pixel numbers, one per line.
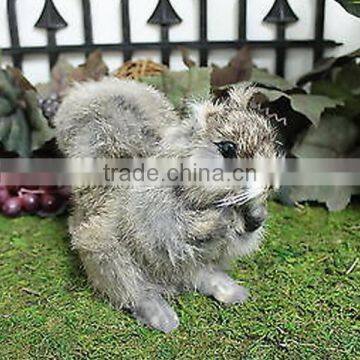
(140,68)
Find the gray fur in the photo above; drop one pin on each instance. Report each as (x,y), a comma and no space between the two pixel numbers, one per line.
(138,245)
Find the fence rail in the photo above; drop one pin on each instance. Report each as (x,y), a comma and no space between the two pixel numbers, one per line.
(165,16)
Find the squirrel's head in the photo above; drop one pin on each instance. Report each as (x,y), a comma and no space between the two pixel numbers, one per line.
(230,129)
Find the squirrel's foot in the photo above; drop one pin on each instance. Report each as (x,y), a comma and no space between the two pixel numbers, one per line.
(155,312)
(222,288)
(255,217)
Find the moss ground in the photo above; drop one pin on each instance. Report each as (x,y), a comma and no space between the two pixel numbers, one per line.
(304,283)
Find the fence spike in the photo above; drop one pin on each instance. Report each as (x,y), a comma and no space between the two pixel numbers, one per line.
(281,13)
(126,31)
(14,32)
(164,14)
(50,18)
(87,24)
(319,29)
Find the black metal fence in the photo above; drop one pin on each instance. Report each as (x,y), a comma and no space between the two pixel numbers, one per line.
(165,16)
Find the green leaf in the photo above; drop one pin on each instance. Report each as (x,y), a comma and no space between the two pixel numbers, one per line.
(5,127)
(312,106)
(19,137)
(5,107)
(263,77)
(182,85)
(326,66)
(330,89)
(349,78)
(40,130)
(16,137)
(334,137)
(345,86)
(7,88)
(351,108)
(273,95)
(26,129)
(23,128)
(351,6)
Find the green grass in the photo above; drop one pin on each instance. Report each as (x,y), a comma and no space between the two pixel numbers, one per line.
(303,303)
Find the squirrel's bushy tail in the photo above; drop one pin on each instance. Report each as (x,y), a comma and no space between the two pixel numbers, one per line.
(112,118)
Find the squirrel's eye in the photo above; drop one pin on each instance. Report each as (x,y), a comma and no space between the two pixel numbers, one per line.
(227,149)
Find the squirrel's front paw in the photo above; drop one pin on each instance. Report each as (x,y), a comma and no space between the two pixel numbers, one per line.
(155,312)
(234,294)
(255,217)
(222,288)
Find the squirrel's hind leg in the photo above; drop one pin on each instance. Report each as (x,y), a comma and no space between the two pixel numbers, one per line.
(154,311)
(113,275)
(121,282)
(219,285)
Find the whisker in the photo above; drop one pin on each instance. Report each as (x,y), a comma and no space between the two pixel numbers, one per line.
(233,198)
(239,199)
(242,198)
(236,198)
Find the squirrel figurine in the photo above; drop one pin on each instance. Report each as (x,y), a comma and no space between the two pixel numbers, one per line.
(141,245)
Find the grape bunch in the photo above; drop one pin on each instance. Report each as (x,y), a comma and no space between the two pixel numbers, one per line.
(41,200)
(50,106)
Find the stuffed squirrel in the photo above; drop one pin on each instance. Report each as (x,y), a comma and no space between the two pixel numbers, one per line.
(141,245)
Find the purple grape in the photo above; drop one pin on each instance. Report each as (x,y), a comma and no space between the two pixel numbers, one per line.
(50,106)
(30,187)
(12,207)
(13,190)
(64,192)
(30,202)
(48,188)
(4,195)
(50,203)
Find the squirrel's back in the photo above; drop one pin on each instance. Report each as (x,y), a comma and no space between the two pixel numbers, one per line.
(112,118)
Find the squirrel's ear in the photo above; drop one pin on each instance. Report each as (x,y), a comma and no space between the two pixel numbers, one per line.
(220,95)
(242,94)
(202,112)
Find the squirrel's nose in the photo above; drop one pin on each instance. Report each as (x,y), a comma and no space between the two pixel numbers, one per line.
(255,217)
